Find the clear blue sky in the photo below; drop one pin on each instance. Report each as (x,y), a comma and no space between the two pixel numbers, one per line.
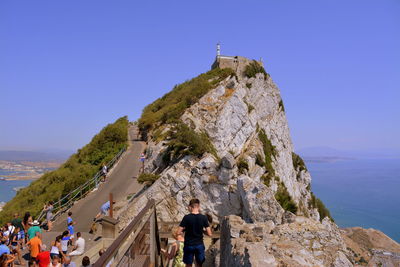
(67,68)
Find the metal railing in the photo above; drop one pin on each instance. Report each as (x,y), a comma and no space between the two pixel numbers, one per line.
(80,192)
(138,244)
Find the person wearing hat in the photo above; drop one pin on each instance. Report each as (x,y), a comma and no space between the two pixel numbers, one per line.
(34,229)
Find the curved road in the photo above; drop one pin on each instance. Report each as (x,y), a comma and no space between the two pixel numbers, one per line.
(121,181)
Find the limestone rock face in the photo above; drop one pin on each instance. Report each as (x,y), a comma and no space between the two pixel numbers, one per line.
(259,204)
(301,243)
(233,115)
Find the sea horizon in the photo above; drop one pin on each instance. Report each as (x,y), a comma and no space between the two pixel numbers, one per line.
(366,189)
(360,192)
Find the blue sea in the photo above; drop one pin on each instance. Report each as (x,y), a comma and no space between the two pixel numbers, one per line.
(362,193)
(6,187)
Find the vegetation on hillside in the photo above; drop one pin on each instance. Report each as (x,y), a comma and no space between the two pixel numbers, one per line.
(79,168)
(319,205)
(183,140)
(253,68)
(269,152)
(281,105)
(242,165)
(284,199)
(298,162)
(148,178)
(172,105)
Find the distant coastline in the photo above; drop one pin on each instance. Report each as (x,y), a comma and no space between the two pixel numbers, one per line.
(327,159)
(25,170)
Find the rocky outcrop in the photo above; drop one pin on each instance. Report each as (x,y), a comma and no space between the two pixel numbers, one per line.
(300,243)
(259,204)
(253,161)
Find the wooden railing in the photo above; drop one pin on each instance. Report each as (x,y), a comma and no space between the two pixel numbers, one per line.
(81,191)
(138,244)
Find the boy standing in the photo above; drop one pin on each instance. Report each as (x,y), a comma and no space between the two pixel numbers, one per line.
(194,225)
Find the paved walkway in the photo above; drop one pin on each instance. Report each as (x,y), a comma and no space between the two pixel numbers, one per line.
(121,182)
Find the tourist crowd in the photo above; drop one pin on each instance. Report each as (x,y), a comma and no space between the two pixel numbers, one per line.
(21,243)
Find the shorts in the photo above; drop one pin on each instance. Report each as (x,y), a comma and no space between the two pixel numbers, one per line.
(21,235)
(75,253)
(104,212)
(196,251)
(55,254)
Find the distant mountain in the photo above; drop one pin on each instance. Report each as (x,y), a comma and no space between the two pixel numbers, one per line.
(12,155)
(328,152)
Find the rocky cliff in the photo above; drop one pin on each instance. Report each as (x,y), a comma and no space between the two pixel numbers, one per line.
(230,147)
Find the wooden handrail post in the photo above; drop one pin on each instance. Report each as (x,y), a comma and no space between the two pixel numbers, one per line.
(111,205)
(152,240)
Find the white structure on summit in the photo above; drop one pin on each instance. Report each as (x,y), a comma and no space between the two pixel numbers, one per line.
(236,63)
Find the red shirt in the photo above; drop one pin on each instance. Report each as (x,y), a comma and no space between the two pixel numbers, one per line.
(43,258)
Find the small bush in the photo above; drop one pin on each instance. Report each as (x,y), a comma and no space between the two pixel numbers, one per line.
(248,85)
(185,141)
(242,165)
(148,178)
(281,105)
(259,160)
(298,162)
(362,260)
(266,180)
(284,199)
(269,153)
(250,107)
(322,210)
(253,68)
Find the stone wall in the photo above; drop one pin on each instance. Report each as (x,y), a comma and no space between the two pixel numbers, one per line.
(236,63)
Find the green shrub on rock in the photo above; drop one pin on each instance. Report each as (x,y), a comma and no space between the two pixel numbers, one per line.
(185,141)
(298,162)
(269,153)
(319,205)
(281,105)
(253,68)
(148,178)
(284,199)
(242,165)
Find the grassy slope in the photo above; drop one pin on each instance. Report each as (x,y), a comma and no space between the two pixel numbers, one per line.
(79,168)
(172,105)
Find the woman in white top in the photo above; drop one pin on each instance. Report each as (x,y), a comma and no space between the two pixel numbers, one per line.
(56,247)
(64,242)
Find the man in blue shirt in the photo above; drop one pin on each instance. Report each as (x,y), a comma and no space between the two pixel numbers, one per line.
(69,218)
(104,210)
(3,248)
(71,231)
